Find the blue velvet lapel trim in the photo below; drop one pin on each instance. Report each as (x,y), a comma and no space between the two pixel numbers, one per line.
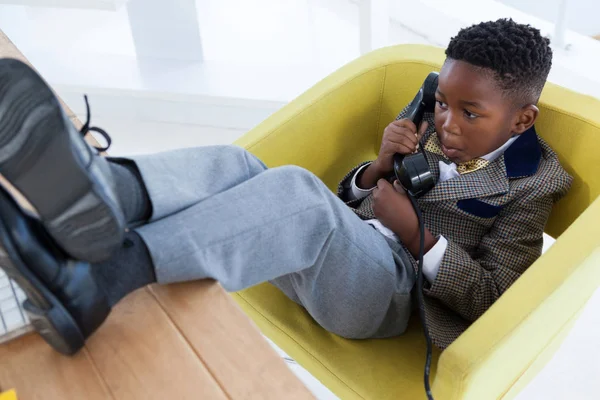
(478,208)
(523,157)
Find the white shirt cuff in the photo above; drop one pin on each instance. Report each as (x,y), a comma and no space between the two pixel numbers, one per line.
(355,192)
(433,259)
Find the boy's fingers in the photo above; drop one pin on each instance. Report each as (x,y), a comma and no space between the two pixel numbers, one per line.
(397,129)
(382,184)
(405,123)
(404,137)
(403,148)
(399,187)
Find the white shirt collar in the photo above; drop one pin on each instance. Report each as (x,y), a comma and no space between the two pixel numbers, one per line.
(500,150)
(448,170)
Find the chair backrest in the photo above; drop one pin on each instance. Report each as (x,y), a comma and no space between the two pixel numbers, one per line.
(568,121)
(359,100)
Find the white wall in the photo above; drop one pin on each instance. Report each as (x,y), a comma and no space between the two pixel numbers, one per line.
(583,16)
(249,57)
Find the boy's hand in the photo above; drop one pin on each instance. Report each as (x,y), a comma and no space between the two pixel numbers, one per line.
(395,211)
(393,208)
(399,137)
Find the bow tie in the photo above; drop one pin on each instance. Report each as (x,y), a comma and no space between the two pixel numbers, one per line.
(433,146)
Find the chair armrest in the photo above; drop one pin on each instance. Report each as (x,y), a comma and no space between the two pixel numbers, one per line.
(337,123)
(487,360)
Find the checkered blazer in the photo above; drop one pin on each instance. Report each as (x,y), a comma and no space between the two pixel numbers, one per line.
(493,220)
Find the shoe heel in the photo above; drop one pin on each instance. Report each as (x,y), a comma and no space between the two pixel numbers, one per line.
(45,158)
(56,327)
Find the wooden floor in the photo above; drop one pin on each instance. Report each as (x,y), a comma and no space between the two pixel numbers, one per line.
(184,341)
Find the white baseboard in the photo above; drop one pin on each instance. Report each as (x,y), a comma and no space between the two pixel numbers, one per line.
(189,109)
(132,136)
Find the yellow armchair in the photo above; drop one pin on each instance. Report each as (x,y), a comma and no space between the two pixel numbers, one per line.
(338,123)
(10,395)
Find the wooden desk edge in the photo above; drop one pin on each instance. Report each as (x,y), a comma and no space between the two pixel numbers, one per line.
(288,384)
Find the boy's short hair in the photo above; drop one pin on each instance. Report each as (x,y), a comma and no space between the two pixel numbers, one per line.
(518,55)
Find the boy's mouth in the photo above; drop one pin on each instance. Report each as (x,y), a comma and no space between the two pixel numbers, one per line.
(449,151)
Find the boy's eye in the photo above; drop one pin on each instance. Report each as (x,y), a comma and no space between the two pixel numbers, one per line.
(441,104)
(470,115)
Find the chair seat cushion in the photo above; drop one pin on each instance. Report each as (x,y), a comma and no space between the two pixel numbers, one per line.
(352,369)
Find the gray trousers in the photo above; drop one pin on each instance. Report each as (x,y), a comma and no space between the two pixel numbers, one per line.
(219,213)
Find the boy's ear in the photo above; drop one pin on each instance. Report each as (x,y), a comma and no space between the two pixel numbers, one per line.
(525,118)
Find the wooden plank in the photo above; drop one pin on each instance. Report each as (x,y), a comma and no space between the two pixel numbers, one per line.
(36,371)
(141,355)
(228,342)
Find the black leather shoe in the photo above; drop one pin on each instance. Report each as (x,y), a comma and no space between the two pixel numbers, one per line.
(49,162)
(63,302)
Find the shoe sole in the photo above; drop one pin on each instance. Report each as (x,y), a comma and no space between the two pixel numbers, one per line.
(41,155)
(47,314)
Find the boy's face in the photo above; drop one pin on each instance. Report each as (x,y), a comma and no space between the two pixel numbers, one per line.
(472,115)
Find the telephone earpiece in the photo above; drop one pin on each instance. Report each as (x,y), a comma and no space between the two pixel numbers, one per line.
(412,171)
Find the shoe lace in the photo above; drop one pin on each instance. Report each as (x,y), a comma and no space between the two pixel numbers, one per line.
(87,128)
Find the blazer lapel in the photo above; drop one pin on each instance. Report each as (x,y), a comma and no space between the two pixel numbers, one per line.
(488,181)
(521,159)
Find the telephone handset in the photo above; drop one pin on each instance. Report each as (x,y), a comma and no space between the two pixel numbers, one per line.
(412,170)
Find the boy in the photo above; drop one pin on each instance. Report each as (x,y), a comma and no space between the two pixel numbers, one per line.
(218,212)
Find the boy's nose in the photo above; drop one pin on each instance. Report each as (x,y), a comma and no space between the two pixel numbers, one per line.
(450,126)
